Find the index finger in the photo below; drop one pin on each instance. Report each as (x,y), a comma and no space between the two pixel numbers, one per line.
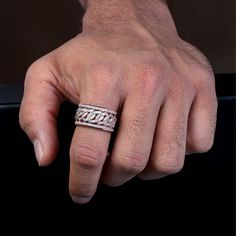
(88,152)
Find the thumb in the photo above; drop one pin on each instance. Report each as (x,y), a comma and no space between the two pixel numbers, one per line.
(38,112)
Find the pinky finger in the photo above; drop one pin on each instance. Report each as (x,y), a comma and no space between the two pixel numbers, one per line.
(202,121)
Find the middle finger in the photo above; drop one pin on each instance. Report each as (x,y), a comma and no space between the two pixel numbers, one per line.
(134,138)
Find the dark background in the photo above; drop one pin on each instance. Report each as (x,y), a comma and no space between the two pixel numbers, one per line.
(200,200)
(30,29)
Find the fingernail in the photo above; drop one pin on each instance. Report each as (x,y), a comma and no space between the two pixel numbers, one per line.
(38,151)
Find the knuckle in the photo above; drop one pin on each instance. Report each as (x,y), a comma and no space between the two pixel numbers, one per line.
(148,81)
(204,84)
(170,159)
(176,88)
(200,59)
(212,120)
(150,70)
(176,138)
(32,69)
(26,120)
(170,165)
(86,155)
(131,164)
(203,140)
(205,81)
(36,68)
(137,126)
(104,76)
(201,145)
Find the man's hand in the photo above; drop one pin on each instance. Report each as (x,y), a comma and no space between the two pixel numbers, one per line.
(129,58)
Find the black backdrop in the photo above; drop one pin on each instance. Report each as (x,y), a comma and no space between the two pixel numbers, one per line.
(199,200)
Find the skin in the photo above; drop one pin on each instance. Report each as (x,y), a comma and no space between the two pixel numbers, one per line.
(128,58)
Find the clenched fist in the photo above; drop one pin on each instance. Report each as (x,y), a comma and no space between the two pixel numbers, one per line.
(130,59)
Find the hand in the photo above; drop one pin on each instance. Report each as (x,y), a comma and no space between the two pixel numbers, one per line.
(161,87)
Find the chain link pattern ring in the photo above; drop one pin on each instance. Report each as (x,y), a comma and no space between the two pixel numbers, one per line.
(96,117)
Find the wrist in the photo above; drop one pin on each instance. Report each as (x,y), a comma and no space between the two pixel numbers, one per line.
(124,14)
(107,15)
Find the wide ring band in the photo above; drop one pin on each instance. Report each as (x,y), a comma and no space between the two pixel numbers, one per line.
(96,117)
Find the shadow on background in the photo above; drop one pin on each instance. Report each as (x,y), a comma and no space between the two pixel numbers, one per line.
(201,196)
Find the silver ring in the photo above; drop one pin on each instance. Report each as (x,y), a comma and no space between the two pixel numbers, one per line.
(96,117)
